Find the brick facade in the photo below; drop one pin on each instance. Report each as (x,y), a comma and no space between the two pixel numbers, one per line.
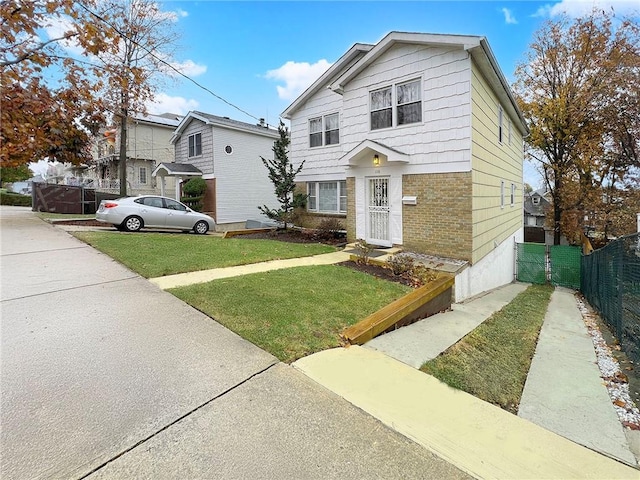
(441,222)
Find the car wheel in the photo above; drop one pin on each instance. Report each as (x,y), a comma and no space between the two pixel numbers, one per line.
(132,224)
(201,227)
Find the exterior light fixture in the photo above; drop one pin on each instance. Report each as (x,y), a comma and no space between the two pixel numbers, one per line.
(376,161)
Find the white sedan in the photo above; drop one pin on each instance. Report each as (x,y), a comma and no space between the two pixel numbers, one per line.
(133,213)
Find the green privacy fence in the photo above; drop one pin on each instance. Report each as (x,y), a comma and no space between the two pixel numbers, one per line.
(565,266)
(611,284)
(532,262)
(558,264)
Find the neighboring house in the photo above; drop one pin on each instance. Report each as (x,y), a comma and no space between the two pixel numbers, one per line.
(536,206)
(228,155)
(148,144)
(417,141)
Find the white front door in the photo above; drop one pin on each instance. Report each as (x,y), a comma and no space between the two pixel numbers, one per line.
(378,211)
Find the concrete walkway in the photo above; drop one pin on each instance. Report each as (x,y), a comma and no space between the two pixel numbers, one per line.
(203,276)
(564,392)
(481,439)
(424,340)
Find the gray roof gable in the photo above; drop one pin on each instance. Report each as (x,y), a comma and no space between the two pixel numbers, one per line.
(224,122)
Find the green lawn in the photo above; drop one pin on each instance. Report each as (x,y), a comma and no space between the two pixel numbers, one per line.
(157,254)
(292,312)
(493,360)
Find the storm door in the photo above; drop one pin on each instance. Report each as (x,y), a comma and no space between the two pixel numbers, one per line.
(378,211)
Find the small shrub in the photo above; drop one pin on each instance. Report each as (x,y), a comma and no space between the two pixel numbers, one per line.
(363,250)
(423,275)
(194,187)
(330,228)
(401,264)
(194,193)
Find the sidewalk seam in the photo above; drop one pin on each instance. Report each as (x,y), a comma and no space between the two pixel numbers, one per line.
(70,288)
(179,419)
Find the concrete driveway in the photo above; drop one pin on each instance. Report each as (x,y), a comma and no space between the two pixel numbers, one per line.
(105,375)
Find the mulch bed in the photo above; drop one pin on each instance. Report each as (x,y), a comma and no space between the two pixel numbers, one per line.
(82,223)
(308,236)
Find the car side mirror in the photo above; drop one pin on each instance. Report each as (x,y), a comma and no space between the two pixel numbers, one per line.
(188,210)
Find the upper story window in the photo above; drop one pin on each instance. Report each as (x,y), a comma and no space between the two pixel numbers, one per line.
(142,175)
(324,130)
(535,200)
(513,194)
(407,98)
(195,145)
(500,120)
(381,111)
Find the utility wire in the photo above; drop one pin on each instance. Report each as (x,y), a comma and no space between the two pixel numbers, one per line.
(123,35)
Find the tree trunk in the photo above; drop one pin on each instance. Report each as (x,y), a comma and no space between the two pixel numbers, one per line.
(122,165)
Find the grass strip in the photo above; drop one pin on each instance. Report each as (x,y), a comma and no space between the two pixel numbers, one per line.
(293,312)
(158,254)
(493,360)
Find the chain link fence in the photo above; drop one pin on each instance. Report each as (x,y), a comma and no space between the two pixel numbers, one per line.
(610,281)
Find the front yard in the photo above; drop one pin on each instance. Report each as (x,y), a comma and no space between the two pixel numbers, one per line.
(298,311)
(294,312)
(158,254)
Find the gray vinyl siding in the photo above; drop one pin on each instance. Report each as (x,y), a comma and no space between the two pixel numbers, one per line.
(204,162)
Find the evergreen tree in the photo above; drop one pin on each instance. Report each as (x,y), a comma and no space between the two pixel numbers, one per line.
(282,175)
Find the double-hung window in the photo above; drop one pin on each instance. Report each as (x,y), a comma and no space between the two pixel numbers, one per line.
(324,130)
(409,102)
(500,120)
(195,145)
(327,197)
(407,99)
(513,194)
(142,175)
(381,109)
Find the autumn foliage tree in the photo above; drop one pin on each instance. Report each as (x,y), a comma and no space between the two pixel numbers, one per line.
(37,119)
(106,56)
(578,90)
(137,64)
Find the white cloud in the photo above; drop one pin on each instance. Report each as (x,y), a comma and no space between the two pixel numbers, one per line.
(181,13)
(508,16)
(164,103)
(578,8)
(189,68)
(57,27)
(297,76)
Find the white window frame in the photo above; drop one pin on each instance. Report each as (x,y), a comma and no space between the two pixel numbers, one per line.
(501,193)
(194,145)
(513,194)
(394,103)
(323,131)
(314,192)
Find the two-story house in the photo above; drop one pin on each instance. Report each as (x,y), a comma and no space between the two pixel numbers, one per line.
(227,154)
(148,144)
(536,206)
(417,141)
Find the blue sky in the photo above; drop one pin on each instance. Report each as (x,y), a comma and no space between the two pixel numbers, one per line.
(258,56)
